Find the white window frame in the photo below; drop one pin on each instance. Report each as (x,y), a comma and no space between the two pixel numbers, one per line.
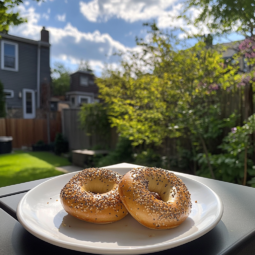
(80,97)
(73,97)
(28,115)
(9,91)
(16,69)
(87,80)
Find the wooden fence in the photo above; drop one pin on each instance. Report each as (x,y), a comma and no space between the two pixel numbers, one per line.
(26,132)
(77,137)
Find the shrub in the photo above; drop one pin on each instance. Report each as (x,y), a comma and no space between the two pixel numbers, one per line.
(235,163)
(149,158)
(61,145)
(94,121)
(122,153)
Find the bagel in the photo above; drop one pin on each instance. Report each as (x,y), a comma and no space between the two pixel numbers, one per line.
(155,197)
(92,195)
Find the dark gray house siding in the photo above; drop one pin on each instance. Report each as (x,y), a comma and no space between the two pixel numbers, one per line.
(27,75)
(75,82)
(82,93)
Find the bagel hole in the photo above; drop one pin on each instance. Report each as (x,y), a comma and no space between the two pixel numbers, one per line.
(160,189)
(96,186)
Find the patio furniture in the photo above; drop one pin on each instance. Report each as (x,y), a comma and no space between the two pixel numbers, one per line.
(84,157)
(234,234)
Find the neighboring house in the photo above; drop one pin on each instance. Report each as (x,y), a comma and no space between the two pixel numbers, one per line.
(57,105)
(24,67)
(230,49)
(82,88)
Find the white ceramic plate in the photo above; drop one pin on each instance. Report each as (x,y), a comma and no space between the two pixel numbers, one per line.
(41,213)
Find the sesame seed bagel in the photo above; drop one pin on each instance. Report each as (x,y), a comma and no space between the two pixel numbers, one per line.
(156,198)
(92,195)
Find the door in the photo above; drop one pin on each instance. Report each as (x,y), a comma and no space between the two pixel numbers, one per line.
(28,103)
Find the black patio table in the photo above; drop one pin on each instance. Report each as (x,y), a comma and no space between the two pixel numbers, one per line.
(234,234)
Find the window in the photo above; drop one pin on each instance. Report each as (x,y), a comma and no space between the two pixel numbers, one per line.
(84,100)
(9,56)
(84,81)
(28,103)
(8,93)
(73,100)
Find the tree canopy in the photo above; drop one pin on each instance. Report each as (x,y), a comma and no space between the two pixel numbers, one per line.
(223,16)
(60,80)
(9,16)
(172,99)
(151,106)
(84,65)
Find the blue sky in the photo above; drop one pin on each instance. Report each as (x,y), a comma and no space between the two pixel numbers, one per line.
(94,29)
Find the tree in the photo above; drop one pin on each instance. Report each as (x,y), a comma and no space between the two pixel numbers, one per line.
(9,16)
(224,16)
(177,98)
(94,121)
(84,66)
(2,101)
(60,80)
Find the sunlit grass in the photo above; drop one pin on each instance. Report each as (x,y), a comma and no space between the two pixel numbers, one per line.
(23,167)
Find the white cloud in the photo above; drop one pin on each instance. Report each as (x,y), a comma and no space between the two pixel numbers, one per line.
(129,10)
(26,3)
(30,29)
(164,12)
(168,20)
(90,10)
(48,10)
(61,17)
(70,45)
(45,16)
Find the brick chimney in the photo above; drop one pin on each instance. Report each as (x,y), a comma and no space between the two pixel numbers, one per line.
(44,35)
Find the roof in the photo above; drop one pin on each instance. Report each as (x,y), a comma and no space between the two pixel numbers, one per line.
(84,72)
(25,40)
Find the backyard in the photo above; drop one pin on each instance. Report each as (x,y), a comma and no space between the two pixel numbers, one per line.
(21,166)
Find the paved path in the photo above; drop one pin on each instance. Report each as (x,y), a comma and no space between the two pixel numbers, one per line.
(69,169)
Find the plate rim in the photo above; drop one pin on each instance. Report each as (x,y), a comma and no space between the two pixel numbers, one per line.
(131,250)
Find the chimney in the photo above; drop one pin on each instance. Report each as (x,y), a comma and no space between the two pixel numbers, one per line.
(44,35)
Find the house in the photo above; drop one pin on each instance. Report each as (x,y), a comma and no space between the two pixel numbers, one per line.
(24,67)
(229,50)
(57,104)
(82,88)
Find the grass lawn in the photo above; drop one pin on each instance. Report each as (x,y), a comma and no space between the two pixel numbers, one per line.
(22,166)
